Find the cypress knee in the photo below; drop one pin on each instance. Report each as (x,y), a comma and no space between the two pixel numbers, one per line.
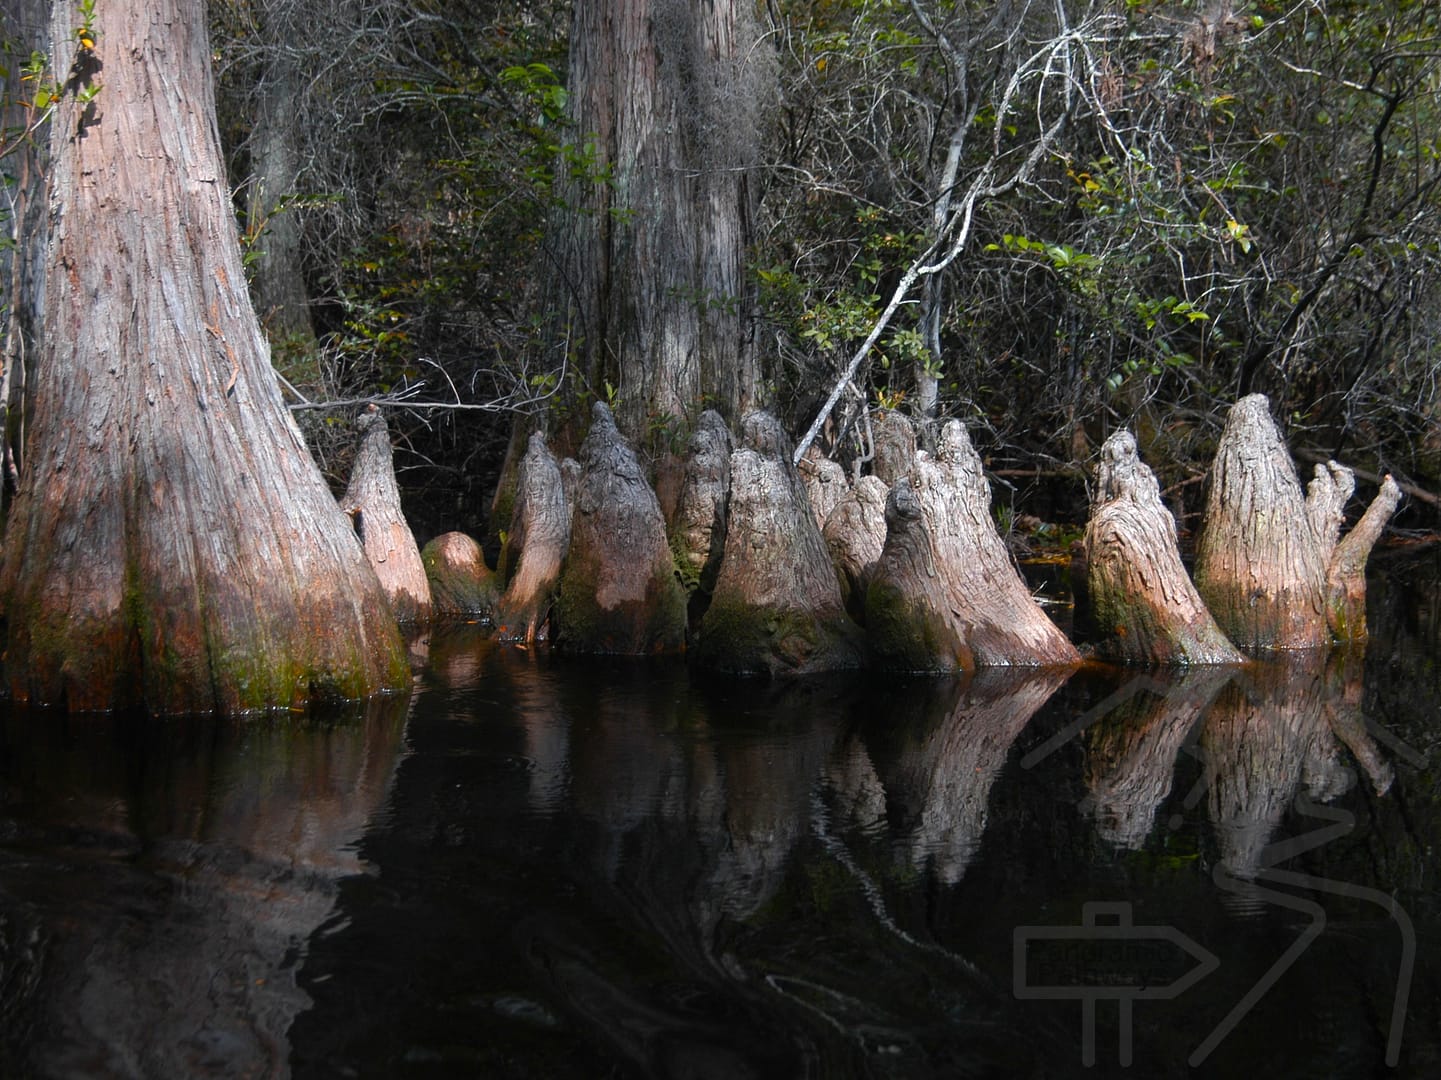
(1142,603)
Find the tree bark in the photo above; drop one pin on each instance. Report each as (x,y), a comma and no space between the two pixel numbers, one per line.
(536,546)
(699,529)
(460,582)
(855,535)
(1346,565)
(649,253)
(277,282)
(618,587)
(894,446)
(172,543)
(825,483)
(777,607)
(372,501)
(1141,600)
(1264,565)
(944,595)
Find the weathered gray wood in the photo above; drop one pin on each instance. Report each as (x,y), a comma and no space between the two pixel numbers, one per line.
(894,438)
(945,595)
(460,582)
(618,586)
(372,500)
(825,483)
(855,535)
(1142,603)
(777,607)
(1346,565)
(173,544)
(536,545)
(1264,565)
(698,529)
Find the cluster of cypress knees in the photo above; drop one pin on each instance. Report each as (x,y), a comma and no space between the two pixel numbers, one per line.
(754,564)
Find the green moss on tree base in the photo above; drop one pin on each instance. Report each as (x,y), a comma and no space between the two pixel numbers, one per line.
(907,636)
(743,640)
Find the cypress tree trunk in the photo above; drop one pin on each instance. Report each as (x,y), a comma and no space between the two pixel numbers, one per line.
(650,249)
(172,543)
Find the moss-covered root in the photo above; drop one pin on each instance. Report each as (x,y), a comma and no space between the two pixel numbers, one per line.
(461,585)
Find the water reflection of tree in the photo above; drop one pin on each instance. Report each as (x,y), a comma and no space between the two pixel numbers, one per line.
(938,755)
(1131,752)
(1276,730)
(161,881)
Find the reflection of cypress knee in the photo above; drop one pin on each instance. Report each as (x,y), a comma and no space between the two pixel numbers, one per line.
(1131,753)
(1142,605)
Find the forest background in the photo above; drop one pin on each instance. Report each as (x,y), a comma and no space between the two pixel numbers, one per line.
(1049,219)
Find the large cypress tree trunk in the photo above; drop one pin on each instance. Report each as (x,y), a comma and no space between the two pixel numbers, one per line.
(650,248)
(172,543)
(277,282)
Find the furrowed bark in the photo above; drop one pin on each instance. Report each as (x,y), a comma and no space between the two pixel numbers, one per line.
(855,535)
(618,587)
(944,595)
(535,547)
(825,483)
(1141,600)
(698,531)
(777,608)
(173,544)
(1268,564)
(1346,568)
(895,446)
(372,502)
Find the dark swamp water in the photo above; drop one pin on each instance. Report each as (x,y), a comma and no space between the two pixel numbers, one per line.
(541,866)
